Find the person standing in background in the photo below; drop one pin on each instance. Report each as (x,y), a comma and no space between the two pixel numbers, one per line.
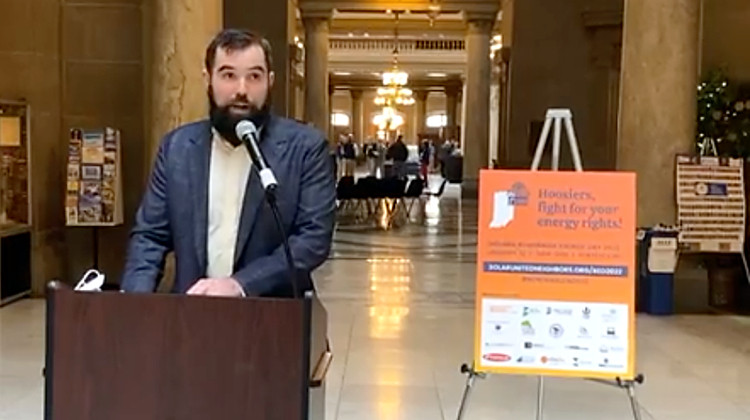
(399,154)
(424,161)
(349,156)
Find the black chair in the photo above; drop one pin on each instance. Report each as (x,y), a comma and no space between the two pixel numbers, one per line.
(413,194)
(392,194)
(440,190)
(368,192)
(360,195)
(345,192)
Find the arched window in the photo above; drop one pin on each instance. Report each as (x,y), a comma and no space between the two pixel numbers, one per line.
(436,121)
(340,119)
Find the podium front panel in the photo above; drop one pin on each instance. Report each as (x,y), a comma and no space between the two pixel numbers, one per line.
(150,356)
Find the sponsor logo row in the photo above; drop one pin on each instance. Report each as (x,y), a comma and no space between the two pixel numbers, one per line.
(553,361)
(586,312)
(555,330)
(528,345)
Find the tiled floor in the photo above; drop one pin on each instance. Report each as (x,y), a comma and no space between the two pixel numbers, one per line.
(400,306)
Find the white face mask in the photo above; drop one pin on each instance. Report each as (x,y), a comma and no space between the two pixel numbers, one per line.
(92,281)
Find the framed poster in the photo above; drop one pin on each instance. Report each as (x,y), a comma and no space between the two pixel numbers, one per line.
(555,291)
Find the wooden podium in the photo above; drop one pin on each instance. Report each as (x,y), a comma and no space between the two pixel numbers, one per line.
(119,356)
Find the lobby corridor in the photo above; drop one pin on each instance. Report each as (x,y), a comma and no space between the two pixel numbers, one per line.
(400,305)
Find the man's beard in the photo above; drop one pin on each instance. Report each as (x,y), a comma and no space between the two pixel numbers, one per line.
(224,120)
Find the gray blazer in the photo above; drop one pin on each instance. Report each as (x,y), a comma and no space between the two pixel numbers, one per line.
(173,215)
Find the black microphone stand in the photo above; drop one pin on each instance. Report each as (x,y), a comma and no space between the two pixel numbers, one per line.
(248,133)
(271,199)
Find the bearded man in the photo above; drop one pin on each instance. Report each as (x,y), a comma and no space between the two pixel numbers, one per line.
(205,201)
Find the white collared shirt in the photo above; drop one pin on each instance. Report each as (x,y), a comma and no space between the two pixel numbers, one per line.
(228,175)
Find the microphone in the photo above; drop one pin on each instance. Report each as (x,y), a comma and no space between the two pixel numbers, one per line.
(248,133)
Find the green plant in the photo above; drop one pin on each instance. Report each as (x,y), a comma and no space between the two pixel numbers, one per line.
(723,117)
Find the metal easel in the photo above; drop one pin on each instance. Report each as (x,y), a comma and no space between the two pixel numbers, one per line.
(555,118)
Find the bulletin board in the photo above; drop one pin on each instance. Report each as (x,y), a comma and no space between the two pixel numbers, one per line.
(711,204)
(94,178)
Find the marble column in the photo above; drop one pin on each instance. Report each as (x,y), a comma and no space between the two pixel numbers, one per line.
(176,88)
(451,106)
(331,128)
(476,142)
(657,107)
(317,101)
(276,23)
(358,116)
(420,116)
(494,121)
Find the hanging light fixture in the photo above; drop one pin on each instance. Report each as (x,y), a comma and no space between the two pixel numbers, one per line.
(388,119)
(496,44)
(394,93)
(433,11)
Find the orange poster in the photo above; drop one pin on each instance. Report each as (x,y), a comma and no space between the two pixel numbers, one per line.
(556,274)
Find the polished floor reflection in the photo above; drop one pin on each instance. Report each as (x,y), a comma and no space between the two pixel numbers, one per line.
(400,305)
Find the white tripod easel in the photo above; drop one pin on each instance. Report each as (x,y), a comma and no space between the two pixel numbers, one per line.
(555,118)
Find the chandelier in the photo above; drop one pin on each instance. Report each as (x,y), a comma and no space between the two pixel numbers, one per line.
(394,93)
(433,11)
(388,120)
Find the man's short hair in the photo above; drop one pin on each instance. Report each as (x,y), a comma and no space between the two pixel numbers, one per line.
(237,40)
